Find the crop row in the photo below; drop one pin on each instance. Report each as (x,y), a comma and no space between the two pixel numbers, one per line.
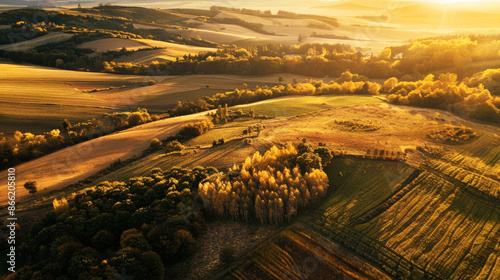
(468,177)
(441,228)
(299,253)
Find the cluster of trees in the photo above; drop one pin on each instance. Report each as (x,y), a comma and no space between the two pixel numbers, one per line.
(136,227)
(192,130)
(221,115)
(490,79)
(445,93)
(224,115)
(108,123)
(426,55)
(270,188)
(451,134)
(343,86)
(21,31)
(306,59)
(245,11)
(330,36)
(26,146)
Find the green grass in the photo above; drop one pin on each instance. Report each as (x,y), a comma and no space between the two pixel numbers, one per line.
(226,133)
(289,107)
(361,185)
(162,102)
(442,228)
(437,228)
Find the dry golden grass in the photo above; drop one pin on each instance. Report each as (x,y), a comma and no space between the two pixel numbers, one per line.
(113,44)
(41,97)
(212,36)
(402,127)
(168,52)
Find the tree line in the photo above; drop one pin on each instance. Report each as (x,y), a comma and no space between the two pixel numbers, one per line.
(22,147)
(408,62)
(347,84)
(468,97)
(445,93)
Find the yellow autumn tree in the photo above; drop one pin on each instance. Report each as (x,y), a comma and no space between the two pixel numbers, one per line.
(264,187)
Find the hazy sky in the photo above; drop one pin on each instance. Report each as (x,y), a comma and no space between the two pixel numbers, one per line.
(203,4)
(257,4)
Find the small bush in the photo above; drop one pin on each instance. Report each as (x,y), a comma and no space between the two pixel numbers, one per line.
(60,205)
(155,144)
(173,146)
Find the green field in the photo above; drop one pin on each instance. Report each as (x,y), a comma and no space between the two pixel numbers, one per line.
(227,133)
(361,185)
(428,228)
(288,107)
(442,229)
(162,103)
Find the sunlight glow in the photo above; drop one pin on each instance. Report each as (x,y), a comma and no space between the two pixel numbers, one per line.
(455,1)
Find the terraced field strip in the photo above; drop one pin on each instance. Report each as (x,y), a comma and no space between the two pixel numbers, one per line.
(366,182)
(483,155)
(402,190)
(300,253)
(478,184)
(362,186)
(441,228)
(435,229)
(389,260)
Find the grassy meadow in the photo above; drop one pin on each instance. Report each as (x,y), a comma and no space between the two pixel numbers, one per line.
(288,107)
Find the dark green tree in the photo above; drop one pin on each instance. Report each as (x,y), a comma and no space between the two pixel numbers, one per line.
(31,186)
